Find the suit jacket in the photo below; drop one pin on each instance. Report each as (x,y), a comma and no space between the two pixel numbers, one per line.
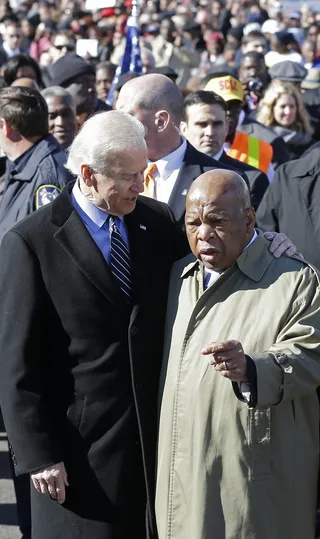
(194,164)
(258,180)
(79,368)
(291,205)
(257,130)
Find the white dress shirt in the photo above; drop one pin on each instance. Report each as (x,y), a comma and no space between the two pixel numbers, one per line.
(168,168)
(219,154)
(10,52)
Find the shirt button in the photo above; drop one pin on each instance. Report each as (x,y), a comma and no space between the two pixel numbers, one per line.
(134,330)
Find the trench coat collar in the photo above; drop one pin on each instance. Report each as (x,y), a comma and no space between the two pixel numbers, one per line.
(253,262)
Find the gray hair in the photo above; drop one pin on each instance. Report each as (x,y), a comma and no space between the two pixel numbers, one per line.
(242,191)
(103,135)
(58,91)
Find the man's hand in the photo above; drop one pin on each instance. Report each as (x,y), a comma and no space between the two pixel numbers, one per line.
(280,244)
(228,359)
(52,480)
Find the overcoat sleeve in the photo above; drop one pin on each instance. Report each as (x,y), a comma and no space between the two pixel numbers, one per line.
(291,367)
(24,383)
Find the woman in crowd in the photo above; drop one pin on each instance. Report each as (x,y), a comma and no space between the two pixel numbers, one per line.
(283,110)
(21,66)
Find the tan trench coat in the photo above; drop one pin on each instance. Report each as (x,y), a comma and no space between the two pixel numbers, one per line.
(225,470)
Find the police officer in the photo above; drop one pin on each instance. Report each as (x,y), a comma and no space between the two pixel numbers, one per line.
(35,172)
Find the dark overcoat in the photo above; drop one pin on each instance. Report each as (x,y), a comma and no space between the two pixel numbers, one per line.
(79,368)
(291,205)
(193,165)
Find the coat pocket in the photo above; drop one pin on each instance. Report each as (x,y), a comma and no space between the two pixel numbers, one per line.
(76,410)
(260,443)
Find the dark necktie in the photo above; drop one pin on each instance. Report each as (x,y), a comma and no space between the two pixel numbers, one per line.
(120,259)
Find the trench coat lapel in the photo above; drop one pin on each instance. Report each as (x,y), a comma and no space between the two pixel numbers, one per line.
(77,242)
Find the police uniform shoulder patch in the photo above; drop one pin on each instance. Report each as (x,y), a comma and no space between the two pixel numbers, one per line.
(45,194)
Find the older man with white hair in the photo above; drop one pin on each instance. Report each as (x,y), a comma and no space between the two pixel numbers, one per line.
(81,338)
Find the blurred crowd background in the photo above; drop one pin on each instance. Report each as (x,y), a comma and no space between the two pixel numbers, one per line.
(187,40)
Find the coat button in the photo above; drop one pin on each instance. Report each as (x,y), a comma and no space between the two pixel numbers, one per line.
(134,330)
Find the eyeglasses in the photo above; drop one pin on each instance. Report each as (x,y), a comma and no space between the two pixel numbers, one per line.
(61,47)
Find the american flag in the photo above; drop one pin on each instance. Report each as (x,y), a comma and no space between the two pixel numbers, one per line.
(131,60)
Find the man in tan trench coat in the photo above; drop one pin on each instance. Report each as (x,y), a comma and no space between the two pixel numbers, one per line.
(239,434)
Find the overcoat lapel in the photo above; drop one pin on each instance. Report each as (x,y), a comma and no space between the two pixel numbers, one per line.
(177,201)
(138,234)
(78,244)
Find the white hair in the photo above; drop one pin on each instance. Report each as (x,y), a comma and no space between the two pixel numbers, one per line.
(103,135)
(58,91)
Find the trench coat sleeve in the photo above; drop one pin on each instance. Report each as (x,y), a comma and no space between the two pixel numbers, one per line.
(291,367)
(268,211)
(23,383)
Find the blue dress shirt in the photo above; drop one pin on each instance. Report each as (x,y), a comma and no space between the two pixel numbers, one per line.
(96,221)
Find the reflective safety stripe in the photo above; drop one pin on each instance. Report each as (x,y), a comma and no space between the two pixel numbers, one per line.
(253,151)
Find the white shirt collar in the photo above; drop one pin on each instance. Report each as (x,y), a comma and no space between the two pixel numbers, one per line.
(10,52)
(173,161)
(219,154)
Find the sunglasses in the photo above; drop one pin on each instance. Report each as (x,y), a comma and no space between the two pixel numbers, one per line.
(61,47)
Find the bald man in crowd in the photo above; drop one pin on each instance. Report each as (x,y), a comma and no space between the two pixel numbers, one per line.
(173,162)
(239,425)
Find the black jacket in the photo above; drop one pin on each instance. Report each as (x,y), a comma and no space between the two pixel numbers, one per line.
(258,180)
(291,205)
(257,130)
(194,164)
(43,169)
(79,369)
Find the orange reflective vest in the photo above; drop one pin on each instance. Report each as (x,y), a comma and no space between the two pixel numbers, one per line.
(251,150)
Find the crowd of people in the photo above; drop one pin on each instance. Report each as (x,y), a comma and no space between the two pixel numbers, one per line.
(159,289)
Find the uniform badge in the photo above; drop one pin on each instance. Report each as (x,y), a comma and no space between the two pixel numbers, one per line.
(46,194)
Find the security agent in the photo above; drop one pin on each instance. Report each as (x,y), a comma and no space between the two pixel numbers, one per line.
(35,172)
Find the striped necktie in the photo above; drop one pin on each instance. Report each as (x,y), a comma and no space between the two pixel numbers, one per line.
(120,258)
(149,182)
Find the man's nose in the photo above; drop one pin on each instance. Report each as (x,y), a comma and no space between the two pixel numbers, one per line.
(138,185)
(209,130)
(205,232)
(59,119)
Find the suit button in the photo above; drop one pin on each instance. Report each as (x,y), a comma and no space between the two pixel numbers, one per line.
(134,330)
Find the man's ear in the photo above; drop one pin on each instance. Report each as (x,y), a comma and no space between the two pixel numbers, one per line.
(7,129)
(87,175)
(227,128)
(251,219)
(184,129)
(162,120)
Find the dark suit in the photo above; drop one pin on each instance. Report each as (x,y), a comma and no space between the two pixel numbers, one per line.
(79,368)
(258,180)
(257,130)
(291,205)
(194,164)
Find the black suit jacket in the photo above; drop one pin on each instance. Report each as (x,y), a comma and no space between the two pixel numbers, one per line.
(257,130)
(258,180)
(194,164)
(79,369)
(291,205)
